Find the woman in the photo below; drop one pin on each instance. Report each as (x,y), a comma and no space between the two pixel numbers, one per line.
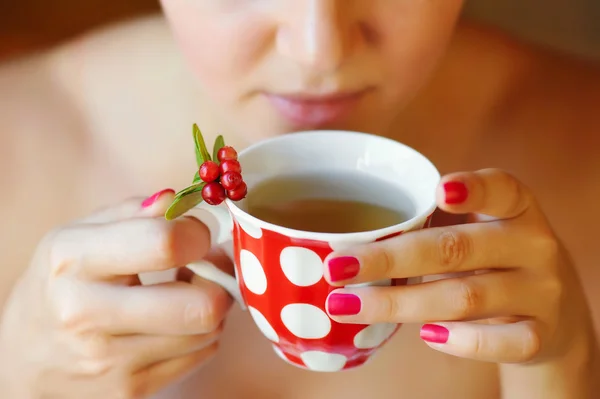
(107,117)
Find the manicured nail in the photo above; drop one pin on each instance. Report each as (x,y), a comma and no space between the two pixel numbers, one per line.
(434,333)
(155,197)
(456,192)
(343,268)
(343,304)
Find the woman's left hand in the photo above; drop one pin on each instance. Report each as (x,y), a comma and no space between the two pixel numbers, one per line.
(512,296)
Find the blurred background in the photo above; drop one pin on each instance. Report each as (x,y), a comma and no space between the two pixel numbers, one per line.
(568,25)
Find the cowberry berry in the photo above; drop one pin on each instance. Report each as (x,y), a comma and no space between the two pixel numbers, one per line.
(231,180)
(238,193)
(226,153)
(230,165)
(213,193)
(209,171)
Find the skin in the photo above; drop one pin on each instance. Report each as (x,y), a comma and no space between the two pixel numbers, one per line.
(473,100)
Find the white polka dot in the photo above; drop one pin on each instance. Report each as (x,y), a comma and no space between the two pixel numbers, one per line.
(250,229)
(263,324)
(306,321)
(301,266)
(252,272)
(374,335)
(323,361)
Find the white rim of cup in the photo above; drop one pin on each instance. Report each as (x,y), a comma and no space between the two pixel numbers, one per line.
(407,225)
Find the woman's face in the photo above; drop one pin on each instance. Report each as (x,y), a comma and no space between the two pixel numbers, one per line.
(275,66)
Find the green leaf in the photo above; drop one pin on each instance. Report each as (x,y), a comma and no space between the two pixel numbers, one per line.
(219,143)
(185,200)
(202,154)
(191,189)
(183,204)
(199,160)
(197,178)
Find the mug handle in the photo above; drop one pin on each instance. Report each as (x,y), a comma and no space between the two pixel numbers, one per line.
(220,224)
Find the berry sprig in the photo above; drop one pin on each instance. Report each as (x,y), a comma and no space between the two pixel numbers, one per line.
(218,177)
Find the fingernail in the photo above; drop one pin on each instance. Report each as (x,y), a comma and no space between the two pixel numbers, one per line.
(343,268)
(153,198)
(455,192)
(434,333)
(343,304)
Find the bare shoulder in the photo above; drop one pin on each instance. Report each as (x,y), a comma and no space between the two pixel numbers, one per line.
(543,124)
(524,94)
(43,136)
(132,87)
(550,107)
(41,150)
(61,113)
(542,104)
(49,140)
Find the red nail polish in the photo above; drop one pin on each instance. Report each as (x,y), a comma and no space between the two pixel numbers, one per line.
(343,268)
(434,333)
(343,304)
(456,192)
(152,199)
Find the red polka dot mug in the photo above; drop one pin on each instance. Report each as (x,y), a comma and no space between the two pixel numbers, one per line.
(279,271)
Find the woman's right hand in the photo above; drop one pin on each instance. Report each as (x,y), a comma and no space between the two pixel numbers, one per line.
(79,324)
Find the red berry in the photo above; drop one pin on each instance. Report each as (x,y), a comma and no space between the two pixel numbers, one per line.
(230,165)
(213,193)
(239,193)
(231,180)
(209,171)
(227,153)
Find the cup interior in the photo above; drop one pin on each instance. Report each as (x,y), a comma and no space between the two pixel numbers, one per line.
(317,152)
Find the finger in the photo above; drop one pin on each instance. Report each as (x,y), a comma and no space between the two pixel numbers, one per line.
(491,192)
(145,350)
(465,298)
(433,251)
(128,247)
(114,212)
(500,343)
(152,206)
(97,354)
(152,379)
(174,308)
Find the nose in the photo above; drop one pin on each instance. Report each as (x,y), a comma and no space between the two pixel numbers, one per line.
(319,34)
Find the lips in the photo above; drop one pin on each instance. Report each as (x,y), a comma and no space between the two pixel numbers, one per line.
(305,110)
